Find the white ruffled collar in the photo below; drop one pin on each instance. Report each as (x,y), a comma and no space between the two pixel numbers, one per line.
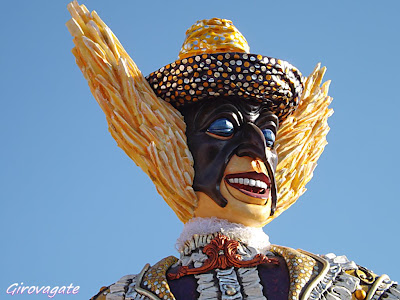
(250,236)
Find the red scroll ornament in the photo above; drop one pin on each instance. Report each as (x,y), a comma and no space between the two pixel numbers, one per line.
(222,254)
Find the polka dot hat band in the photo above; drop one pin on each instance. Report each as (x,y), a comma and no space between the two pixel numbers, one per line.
(215,62)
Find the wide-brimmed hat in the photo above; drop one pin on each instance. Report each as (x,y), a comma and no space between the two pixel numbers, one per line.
(214,61)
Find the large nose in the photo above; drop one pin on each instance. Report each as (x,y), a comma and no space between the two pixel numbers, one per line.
(254,146)
(253,142)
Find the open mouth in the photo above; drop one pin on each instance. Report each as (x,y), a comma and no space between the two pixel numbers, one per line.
(251,183)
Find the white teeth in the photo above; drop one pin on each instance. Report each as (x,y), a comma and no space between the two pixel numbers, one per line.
(250,182)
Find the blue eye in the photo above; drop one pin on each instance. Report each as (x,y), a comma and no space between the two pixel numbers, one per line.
(269,137)
(222,127)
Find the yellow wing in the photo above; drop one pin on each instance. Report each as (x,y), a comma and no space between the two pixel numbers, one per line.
(301,139)
(148,129)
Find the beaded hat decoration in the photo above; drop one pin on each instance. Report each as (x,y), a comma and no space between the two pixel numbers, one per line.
(215,61)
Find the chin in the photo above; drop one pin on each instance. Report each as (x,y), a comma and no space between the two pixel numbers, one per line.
(236,211)
(245,209)
(249,215)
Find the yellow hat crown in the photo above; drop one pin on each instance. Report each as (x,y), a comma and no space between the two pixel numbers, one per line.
(213,36)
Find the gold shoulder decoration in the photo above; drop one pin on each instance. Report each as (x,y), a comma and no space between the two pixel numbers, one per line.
(301,267)
(155,279)
(148,129)
(301,139)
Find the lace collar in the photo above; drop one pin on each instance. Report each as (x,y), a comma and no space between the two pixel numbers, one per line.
(199,232)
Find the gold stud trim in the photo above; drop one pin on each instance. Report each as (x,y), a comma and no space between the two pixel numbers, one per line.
(300,267)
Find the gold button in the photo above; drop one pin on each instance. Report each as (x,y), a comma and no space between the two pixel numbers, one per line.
(230,290)
(360,294)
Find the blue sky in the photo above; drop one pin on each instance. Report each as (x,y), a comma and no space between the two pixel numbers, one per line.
(75,209)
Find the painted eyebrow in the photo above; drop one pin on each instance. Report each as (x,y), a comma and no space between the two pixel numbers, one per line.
(267,118)
(213,113)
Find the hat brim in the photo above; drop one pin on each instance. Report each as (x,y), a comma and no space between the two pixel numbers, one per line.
(249,76)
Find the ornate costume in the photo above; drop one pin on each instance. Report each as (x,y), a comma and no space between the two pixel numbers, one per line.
(239,270)
(230,139)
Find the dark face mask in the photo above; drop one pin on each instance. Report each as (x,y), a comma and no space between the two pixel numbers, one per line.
(219,128)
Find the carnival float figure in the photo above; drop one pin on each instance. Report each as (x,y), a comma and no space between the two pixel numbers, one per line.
(230,140)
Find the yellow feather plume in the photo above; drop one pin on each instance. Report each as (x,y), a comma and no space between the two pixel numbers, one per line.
(301,139)
(149,130)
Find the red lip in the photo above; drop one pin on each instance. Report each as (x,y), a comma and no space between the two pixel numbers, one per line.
(253,191)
